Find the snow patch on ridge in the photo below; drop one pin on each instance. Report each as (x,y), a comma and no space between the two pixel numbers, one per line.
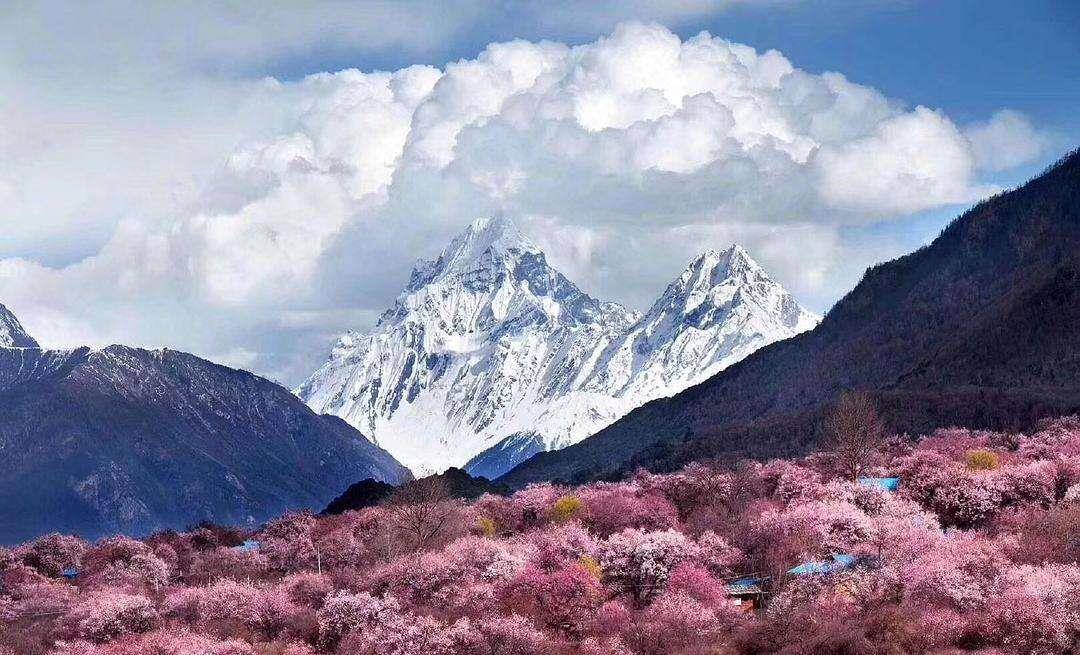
(12,334)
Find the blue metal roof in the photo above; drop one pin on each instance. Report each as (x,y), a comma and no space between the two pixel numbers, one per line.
(70,573)
(809,568)
(744,584)
(249,546)
(836,563)
(888,484)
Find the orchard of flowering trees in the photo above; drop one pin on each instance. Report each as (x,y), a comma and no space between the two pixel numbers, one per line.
(977,552)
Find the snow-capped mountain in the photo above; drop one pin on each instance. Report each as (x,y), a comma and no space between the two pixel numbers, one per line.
(723,307)
(476,348)
(490,355)
(12,334)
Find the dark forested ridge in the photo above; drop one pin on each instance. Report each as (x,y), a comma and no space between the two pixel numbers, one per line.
(451,483)
(130,440)
(980,328)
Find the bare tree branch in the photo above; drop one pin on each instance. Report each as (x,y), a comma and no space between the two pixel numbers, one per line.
(854,433)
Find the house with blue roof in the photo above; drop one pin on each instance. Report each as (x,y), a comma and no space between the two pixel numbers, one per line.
(747,593)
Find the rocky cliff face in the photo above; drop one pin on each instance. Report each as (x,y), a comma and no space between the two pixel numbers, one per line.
(490,355)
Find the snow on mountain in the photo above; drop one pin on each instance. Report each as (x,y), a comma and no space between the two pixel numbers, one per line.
(475,348)
(490,355)
(723,307)
(12,334)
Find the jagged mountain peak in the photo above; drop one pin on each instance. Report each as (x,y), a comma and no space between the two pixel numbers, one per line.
(977,328)
(733,255)
(489,349)
(492,276)
(717,284)
(493,233)
(12,334)
(713,266)
(485,244)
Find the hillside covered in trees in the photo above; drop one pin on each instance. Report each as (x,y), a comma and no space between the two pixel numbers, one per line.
(961,542)
(978,329)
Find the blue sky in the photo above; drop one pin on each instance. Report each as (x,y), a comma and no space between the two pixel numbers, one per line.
(203,176)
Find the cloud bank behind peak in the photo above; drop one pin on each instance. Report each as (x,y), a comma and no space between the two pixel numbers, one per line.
(277,212)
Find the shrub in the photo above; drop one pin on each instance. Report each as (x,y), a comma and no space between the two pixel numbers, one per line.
(288,542)
(610,508)
(962,573)
(969,500)
(982,460)
(638,563)
(107,615)
(564,600)
(676,625)
(486,526)
(697,583)
(308,588)
(566,508)
(814,529)
(226,606)
(499,635)
(221,562)
(1038,613)
(183,604)
(271,612)
(52,553)
(697,487)
(591,565)
(344,613)
(401,635)
(528,507)
(561,545)
(1051,535)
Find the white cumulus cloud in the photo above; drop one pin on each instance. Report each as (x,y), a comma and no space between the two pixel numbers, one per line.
(1006,140)
(624,157)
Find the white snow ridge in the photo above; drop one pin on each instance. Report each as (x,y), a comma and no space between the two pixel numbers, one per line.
(12,334)
(490,355)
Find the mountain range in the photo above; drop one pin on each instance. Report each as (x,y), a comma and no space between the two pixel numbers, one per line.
(128,440)
(978,329)
(490,355)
